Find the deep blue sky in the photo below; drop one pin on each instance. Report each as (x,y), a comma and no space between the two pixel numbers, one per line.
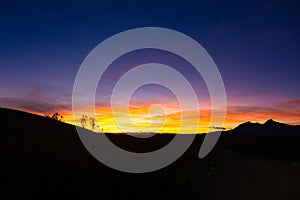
(255,44)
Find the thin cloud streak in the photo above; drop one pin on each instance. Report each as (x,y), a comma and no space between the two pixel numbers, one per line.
(170,116)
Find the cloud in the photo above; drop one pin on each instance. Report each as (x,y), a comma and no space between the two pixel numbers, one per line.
(287,112)
(218,128)
(44,101)
(42,107)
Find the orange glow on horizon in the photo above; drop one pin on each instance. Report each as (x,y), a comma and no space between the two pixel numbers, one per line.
(167,118)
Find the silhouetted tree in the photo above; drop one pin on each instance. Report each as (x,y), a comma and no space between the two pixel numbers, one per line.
(56,116)
(92,122)
(83,120)
(88,122)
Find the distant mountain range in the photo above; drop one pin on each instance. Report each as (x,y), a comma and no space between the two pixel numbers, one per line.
(44,157)
(267,126)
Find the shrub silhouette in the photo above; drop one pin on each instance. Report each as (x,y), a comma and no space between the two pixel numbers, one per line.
(88,122)
(83,120)
(56,116)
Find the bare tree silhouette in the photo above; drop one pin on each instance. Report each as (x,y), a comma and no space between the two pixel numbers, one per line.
(92,122)
(83,120)
(56,116)
(88,122)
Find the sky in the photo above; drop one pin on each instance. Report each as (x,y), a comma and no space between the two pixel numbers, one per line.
(255,45)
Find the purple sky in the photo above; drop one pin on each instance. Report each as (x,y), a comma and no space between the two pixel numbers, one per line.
(255,45)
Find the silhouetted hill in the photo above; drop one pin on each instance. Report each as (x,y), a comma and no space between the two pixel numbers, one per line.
(268,126)
(41,157)
(271,138)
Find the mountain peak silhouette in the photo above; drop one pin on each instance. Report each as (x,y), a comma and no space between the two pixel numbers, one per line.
(271,122)
(274,124)
(254,127)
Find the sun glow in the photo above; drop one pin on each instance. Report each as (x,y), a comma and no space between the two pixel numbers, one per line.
(167,118)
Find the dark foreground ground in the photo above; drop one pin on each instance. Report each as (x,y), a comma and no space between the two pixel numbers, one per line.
(42,158)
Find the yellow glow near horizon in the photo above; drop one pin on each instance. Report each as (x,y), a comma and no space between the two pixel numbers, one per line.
(168,119)
(148,118)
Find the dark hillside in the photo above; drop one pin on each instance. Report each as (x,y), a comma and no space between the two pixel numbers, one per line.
(41,157)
